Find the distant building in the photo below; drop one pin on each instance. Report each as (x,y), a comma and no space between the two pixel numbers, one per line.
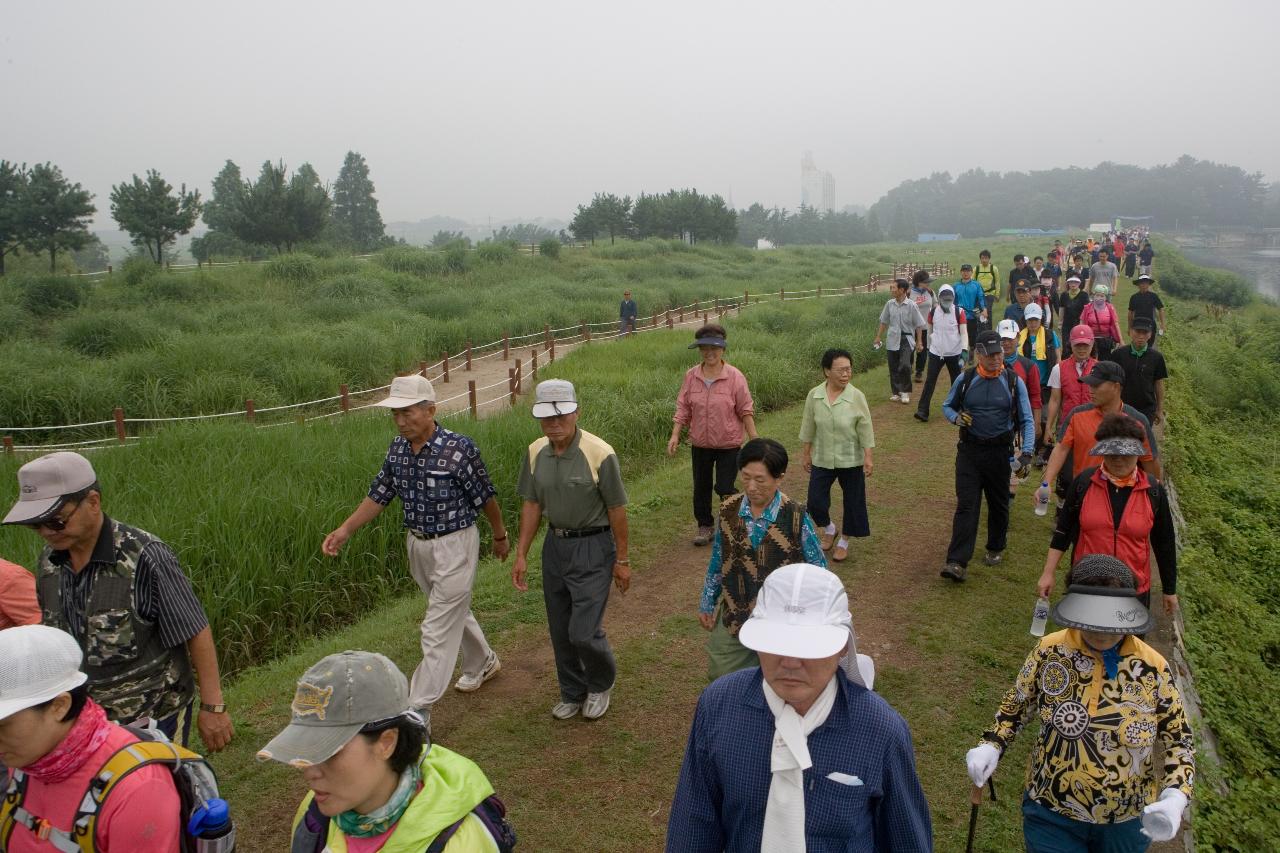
(762,243)
(1031,232)
(817,188)
(936,238)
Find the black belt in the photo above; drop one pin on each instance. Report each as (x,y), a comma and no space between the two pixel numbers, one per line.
(1002,440)
(566,533)
(418,534)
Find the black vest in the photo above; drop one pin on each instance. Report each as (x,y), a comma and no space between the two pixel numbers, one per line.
(131,674)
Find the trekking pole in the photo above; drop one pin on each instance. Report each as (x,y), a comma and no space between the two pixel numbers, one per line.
(975,800)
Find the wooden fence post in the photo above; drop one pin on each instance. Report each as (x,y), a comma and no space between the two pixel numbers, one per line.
(118,414)
(471,395)
(445,360)
(681,310)
(506,346)
(519,378)
(422,368)
(669,324)
(248,410)
(819,291)
(782,294)
(8,444)
(586,333)
(345,402)
(551,351)
(533,364)
(548,341)
(108,270)
(511,384)
(468,356)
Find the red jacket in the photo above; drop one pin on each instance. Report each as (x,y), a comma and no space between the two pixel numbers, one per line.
(1029,372)
(1074,392)
(1130,542)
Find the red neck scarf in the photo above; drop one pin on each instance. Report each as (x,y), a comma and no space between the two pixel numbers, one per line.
(87,734)
(1121,483)
(990,374)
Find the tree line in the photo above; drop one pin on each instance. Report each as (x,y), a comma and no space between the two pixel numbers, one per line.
(977,203)
(42,211)
(677,214)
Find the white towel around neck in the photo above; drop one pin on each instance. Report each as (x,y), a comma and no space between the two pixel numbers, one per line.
(784,810)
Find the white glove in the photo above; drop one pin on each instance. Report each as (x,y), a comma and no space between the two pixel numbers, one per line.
(1160,819)
(982,761)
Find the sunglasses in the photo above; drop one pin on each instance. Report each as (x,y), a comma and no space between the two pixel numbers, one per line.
(56,524)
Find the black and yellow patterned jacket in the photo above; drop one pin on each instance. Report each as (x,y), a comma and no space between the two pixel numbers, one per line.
(1093,759)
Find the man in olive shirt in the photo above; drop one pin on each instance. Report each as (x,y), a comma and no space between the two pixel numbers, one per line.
(573,479)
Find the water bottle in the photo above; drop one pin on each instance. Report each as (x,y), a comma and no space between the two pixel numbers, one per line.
(211,826)
(1042,500)
(1039,617)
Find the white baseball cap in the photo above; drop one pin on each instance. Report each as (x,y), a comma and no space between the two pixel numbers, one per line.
(44,482)
(1033,312)
(554,397)
(802,611)
(1008,328)
(39,663)
(409,391)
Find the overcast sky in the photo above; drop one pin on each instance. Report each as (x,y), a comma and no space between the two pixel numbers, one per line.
(521,110)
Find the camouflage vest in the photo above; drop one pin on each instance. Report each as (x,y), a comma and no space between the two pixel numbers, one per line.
(131,674)
(743,568)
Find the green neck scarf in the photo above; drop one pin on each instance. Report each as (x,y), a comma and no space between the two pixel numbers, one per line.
(356,825)
(1138,352)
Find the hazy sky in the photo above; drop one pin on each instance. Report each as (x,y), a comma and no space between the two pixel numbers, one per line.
(520,110)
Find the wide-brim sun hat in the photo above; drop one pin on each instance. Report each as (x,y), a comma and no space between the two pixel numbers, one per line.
(1102,610)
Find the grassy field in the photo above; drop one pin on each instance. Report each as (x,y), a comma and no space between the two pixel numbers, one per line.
(295,328)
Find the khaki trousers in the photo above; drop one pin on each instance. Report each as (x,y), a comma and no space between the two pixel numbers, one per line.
(445,569)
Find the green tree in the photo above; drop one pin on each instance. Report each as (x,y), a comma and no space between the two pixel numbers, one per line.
(612,214)
(307,206)
(443,238)
(93,256)
(152,214)
(584,225)
(56,213)
(263,214)
(13,194)
(224,211)
(355,209)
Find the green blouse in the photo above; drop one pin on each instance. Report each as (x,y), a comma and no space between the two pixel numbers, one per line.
(839,431)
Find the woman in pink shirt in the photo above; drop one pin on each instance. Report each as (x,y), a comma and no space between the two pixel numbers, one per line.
(57,739)
(18,605)
(1101,318)
(715,405)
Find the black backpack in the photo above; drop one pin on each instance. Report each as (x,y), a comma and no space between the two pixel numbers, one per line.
(966,380)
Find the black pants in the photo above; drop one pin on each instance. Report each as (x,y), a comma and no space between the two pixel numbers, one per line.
(900,365)
(981,470)
(725,465)
(922,357)
(931,379)
(853,485)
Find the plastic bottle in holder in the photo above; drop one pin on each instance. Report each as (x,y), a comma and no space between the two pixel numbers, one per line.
(212,827)
(1042,503)
(1040,617)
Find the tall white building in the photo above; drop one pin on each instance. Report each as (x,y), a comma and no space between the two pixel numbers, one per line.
(817,188)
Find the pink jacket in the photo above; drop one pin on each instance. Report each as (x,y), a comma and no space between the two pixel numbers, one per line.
(18,605)
(1104,325)
(714,415)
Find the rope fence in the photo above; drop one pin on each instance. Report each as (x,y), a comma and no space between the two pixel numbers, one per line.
(508,347)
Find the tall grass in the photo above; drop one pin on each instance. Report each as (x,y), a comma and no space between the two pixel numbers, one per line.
(294,328)
(246,509)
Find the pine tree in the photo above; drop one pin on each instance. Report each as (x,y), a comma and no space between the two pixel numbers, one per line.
(355,209)
(151,214)
(56,213)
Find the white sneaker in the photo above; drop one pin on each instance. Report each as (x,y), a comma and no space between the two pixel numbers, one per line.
(596,705)
(904,398)
(895,398)
(471,683)
(565,710)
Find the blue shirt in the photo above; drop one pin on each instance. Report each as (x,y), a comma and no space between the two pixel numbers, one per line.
(724,781)
(988,401)
(1014,312)
(756,528)
(440,487)
(969,295)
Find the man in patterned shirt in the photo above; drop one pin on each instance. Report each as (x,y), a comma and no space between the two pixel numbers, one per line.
(1103,698)
(441,482)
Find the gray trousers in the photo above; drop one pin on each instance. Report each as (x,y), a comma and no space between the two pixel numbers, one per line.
(576,576)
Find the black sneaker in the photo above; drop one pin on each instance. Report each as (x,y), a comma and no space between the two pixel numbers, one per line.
(993,558)
(955,572)
(924,419)
(919,377)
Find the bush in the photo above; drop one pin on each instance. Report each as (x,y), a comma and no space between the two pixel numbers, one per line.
(104,334)
(455,257)
(409,259)
(495,252)
(51,295)
(549,248)
(294,268)
(138,269)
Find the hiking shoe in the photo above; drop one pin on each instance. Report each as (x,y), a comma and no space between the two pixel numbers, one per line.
(826,540)
(704,536)
(565,710)
(471,683)
(919,377)
(924,419)
(904,398)
(596,705)
(1061,503)
(993,558)
(955,572)
(894,398)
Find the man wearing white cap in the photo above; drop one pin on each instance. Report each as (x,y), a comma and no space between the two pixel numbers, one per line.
(574,479)
(122,594)
(796,754)
(59,740)
(441,482)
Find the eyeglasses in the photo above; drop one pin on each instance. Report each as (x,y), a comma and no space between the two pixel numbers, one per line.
(56,524)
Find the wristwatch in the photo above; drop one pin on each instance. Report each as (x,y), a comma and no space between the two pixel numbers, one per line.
(220,708)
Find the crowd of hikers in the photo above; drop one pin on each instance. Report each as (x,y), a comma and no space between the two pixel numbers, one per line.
(109,661)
